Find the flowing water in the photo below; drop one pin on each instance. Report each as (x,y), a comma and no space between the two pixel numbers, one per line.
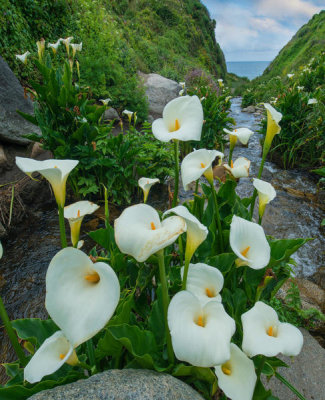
(295,212)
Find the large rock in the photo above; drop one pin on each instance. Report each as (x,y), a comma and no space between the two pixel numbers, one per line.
(159,91)
(127,384)
(306,372)
(12,125)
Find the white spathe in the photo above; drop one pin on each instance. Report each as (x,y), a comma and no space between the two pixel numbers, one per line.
(66,42)
(105,101)
(290,76)
(139,232)
(249,243)
(81,296)
(145,184)
(200,335)
(237,377)
(55,171)
(243,134)
(75,213)
(204,281)
(198,163)
(266,193)
(182,120)
(23,57)
(265,334)
(196,232)
(54,46)
(239,168)
(312,101)
(273,127)
(76,47)
(52,354)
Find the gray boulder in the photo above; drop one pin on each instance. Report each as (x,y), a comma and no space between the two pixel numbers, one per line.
(12,125)
(126,384)
(111,114)
(249,109)
(159,92)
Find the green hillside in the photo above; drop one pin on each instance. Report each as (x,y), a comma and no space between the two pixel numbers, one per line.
(308,42)
(119,38)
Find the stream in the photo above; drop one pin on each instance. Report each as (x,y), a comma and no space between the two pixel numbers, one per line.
(295,212)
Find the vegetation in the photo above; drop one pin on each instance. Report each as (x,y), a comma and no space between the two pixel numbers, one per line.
(119,38)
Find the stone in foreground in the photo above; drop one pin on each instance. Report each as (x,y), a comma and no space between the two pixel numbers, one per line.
(126,384)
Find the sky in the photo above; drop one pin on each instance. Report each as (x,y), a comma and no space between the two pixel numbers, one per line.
(256,30)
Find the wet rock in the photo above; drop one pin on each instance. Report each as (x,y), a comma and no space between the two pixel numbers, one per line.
(305,372)
(127,384)
(249,109)
(12,125)
(111,114)
(319,277)
(39,153)
(159,91)
(3,231)
(311,293)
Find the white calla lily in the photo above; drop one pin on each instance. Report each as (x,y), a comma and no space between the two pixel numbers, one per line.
(139,232)
(128,114)
(273,127)
(55,171)
(300,88)
(200,335)
(54,46)
(75,213)
(145,184)
(196,232)
(66,42)
(81,296)
(40,48)
(23,57)
(52,354)
(76,47)
(243,135)
(239,168)
(105,101)
(290,76)
(312,101)
(204,281)
(265,334)
(198,163)
(182,120)
(266,193)
(237,377)
(182,84)
(220,81)
(181,92)
(249,243)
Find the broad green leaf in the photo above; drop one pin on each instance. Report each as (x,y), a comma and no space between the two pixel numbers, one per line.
(261,393)
(204,374)
(223,261)
(34,330)
(282,249)
(156,318)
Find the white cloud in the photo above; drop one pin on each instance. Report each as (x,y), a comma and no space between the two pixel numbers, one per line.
(282,9)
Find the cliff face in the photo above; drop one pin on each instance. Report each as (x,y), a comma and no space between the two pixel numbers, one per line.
(305,44)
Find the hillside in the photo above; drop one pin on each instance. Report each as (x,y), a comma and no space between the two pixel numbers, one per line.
(308,42)
(119,38)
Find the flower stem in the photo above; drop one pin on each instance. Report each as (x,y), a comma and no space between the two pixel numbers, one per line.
(187,263)
(91,353)
(181,249)
(165,299)
(214,194)
(230,155)
(259,177)
(176,155)
(62,228)
(293,389)
(106,207)
(12,336)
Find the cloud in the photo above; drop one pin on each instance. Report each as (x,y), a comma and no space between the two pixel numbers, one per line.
(282,9)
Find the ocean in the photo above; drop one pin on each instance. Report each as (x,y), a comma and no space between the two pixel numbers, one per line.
(250,69)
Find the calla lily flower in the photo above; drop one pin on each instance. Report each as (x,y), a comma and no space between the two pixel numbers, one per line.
(237,377)
(105,101)
(75,213)
(54,46)
(220,81)
(181,92)
(67,41)
(145,184)
(196,232)
(198,163)
(53,353)
(239,168)
(75,47)
(312,101)
(182,84)
(200,335)
(23,57)
(300,88)
(81,296)
(55,171)
(265,334)
(182,120)
(205,282)
(129,115)
(290,76)
(249,243)
(40,48)
(273,127)
(139,232)
(243,134)
(266,193)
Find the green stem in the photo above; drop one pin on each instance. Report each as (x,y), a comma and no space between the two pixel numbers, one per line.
(12,336)
(176,156)
(187,263)
(214,193)
(165,299)
(293,389)
(230,155)
(91,353)
(84,366)
(255,191)
(62,228)
(106,208)
(181,249)
(259,220)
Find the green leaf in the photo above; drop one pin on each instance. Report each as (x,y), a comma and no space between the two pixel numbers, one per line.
(204,374)
(156,318)
(223,262)
(282,249)
(28,117)
(34,330)
(261,393)
(102,236)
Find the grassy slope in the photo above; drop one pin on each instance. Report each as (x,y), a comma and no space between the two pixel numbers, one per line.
(305,44)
